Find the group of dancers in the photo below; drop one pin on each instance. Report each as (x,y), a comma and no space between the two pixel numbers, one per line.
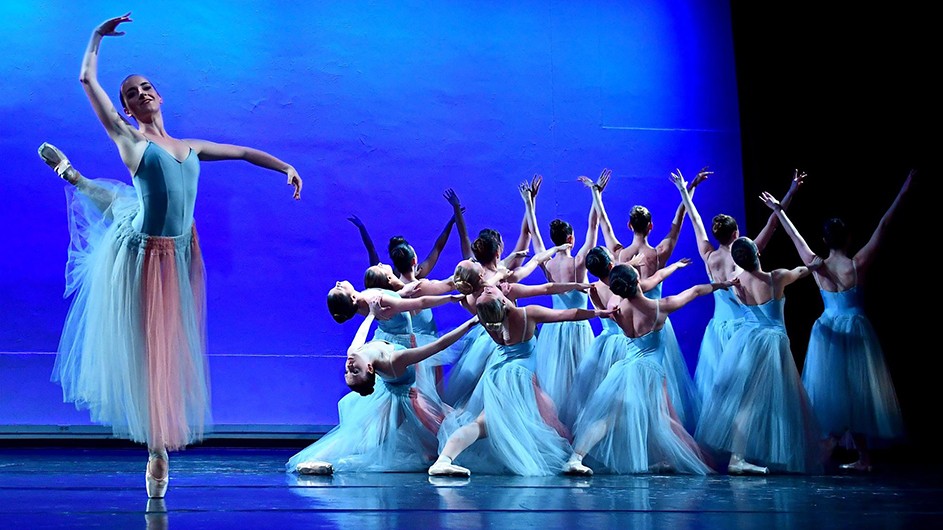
(528,389)
(531,391)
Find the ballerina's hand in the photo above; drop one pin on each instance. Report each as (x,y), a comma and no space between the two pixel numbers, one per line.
(108,27)
(637,260)
(771,202)
(798,178)
(453,199)
(295,180)
(678,180)
(603,179)
(411,289)
(683,262)
(608,312)
(535,185)
(700,177)
(561,248)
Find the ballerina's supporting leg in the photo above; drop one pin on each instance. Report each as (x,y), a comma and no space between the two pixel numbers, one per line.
(458,442)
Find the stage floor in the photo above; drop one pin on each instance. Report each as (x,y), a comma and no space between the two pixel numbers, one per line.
(222,487)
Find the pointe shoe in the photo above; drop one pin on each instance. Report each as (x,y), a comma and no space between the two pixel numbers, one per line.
(745,468)
(856,466)
(57,160)
(577,469)
(315,468)
(156,487)
(441,468)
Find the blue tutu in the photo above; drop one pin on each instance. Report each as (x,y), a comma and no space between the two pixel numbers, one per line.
(133,347)
(681,390)
(628,425)
(726,319)
(758,407)
(524,435)
(845,374)
(479,352)
(560,348)
(605,350)
(392,429)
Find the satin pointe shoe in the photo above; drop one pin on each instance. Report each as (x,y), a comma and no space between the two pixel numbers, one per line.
(315,468)
(576,468)
(57,160)
(156,487)
(745,468)
(443,467)
(857,466)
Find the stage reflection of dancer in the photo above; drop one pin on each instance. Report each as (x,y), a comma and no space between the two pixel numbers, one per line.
(720,266)
(508,411)
(681,389)
(390,426)
(560,345)
(758,410)
(133,346)
(628,424)
(845,373)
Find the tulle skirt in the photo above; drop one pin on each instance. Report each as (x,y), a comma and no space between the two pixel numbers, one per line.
(392,429)
(716,336)
(758,407)
(604,351)
(847,379)
(681,390)
(479,351)
(525,437)
(560,348)
(628,424)
(133,347)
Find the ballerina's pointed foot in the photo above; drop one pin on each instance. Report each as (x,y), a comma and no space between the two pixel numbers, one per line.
(443,467)
(315,468)
(577,469)
(156,487)
(745,468)
(857,466)
(56,159)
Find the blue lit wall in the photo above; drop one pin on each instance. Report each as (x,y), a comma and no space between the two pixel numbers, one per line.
(380,106)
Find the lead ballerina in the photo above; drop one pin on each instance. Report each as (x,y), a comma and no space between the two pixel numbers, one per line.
(133,347)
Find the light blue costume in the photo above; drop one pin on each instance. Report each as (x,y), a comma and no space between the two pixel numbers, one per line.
(400,329)
(136,326)
(628,421)
(681,390)
(727,317)
(525,437)
(845,374)
(392,429)
(604,351)
(758,394)
(560,348)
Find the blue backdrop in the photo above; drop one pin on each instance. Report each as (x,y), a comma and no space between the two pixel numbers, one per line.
(380,106)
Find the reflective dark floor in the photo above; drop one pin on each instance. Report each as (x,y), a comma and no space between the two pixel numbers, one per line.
(222,487)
